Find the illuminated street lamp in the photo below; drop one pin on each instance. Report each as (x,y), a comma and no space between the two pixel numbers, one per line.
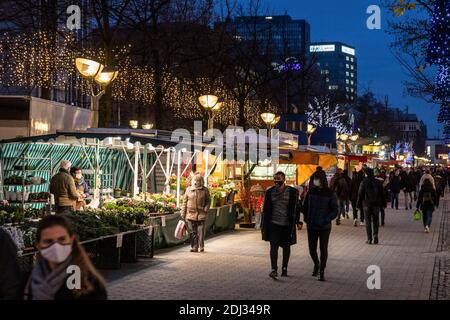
(271,120)
(310,131)
(147,126)
(133,124)
(210,103)
(103,76)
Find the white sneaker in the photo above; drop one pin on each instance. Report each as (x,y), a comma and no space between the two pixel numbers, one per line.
(355,222)
(427,229)
(361,223)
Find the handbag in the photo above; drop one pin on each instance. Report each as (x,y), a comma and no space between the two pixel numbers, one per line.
(417,215)
(179,230)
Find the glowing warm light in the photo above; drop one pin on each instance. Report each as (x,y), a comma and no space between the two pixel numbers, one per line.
(275,120)
(344,137)
(147,126)
(106,76)
(133,124)
(208,101)
(217,106)
(311,129)
(354,137)
(88,68)
(268,117)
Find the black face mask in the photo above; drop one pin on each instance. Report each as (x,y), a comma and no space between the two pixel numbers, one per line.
(278,183)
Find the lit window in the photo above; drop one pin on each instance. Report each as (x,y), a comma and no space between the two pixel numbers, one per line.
(346,81)
(347,89)
(328,80)
(352,82)
(352,74)
(352,98)
(352,90)
(352,67)
(347,66)
(347,73)
(347,58)
(352,60)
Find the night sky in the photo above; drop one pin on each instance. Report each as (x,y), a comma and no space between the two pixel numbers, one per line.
(378,69)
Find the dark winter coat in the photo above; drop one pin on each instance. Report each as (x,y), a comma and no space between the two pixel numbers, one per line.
(357,178)
(342,187)
(10,279)
(405,183)
(320,208)
(294,208)
(394,184)
(420,204)
(381,199)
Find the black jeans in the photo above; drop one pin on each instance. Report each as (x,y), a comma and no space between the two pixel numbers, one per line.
(197,235)
(313,237)
(279,236)
(394,200)
(372,222)
(355,211)
(382,214)
(64,210)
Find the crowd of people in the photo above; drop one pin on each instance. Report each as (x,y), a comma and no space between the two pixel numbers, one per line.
(367,192)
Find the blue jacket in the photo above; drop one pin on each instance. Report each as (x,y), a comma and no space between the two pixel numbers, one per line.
(320,208)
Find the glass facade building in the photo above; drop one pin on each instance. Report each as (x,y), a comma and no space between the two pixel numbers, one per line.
(338,66)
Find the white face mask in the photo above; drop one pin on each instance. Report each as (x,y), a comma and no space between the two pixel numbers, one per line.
(78,176)
(316,182)
(57,253)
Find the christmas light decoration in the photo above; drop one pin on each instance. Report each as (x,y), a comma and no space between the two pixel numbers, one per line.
(442,89)
(439,46)
(323,113)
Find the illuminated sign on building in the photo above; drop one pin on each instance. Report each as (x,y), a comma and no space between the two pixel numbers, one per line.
(348,50)
(322,48)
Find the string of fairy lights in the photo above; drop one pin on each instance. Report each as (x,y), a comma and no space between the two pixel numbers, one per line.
(45,60)
(438,53)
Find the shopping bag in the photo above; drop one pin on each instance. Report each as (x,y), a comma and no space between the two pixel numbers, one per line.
(179,230)
(417,215)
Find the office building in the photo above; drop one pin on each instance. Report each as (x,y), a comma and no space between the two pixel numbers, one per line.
(337,63)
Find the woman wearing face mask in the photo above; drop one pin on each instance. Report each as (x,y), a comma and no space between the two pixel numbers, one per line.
(319,209)
(81,186)
(59,249)
(196,203)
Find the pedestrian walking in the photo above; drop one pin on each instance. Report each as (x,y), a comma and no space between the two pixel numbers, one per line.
(342,190)
(196,203)
(61,256)
(319,209)
(357,178)
(426,202)
(381,178)
(10,280)
(62,186)
(407,186)
(427,176)
(281,215)
(395,187)
(371,199)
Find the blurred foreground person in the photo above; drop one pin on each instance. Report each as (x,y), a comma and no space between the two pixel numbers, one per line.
(55,275)
(10,285)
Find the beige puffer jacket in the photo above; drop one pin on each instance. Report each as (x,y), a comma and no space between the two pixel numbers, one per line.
(196,203)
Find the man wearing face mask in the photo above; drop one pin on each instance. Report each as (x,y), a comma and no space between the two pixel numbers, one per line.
(281,215)
(196,203)
(82,187)
(62,186)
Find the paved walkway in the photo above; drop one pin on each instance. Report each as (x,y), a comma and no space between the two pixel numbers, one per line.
(236,266)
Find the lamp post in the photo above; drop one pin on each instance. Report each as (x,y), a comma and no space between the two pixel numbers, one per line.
(210,103)
(270,120)
(310,131)
(103,76)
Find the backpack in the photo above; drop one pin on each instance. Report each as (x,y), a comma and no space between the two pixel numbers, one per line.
(428,199)
(371,196)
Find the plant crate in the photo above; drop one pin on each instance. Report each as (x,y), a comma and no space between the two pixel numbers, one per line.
(108,253)
(145,242)
(128,250)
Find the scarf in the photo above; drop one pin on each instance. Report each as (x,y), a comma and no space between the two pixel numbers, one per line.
(45,283)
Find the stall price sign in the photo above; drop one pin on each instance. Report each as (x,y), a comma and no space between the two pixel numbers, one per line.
(218,212)
(119,240)
(163,221)
(150,230)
